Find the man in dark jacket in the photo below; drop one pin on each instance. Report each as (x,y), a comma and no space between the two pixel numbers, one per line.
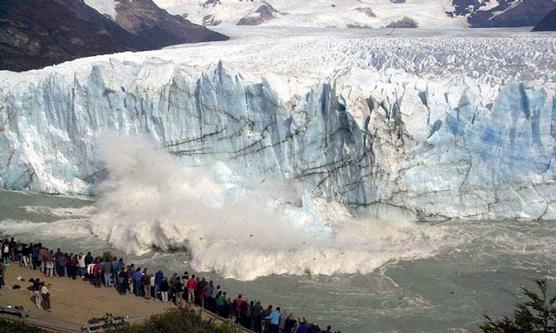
(61,263)
(164,288)
(37,293)
(158,277)
(35,254)
(12,247)
(89,259)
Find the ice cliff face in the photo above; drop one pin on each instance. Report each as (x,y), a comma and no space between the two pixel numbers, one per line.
(379,140)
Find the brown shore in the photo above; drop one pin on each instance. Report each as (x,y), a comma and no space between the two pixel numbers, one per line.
(74,301)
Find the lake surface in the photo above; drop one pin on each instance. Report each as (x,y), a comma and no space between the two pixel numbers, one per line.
(478,270)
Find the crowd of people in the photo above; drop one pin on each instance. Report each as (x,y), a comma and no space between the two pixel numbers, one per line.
(111,272)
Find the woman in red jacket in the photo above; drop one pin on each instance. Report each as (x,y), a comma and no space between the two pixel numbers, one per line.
(97,272)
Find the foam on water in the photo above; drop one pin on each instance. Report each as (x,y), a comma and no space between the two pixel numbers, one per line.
(62,229)
(83,212)
(239,228)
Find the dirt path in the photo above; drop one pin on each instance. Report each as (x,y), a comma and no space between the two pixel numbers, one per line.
(74,301)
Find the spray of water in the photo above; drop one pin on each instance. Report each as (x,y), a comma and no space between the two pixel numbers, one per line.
(238,228)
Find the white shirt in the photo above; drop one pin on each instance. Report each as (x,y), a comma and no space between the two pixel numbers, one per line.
(81,261)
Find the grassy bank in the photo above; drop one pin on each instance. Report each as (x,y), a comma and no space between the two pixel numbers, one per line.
(178,320)
(8,326)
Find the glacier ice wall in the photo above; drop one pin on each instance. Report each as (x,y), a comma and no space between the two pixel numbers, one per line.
(379,141)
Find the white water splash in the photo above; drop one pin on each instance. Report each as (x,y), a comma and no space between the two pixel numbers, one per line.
(238,228)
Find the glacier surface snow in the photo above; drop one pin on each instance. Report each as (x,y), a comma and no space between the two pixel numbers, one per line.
(432,127)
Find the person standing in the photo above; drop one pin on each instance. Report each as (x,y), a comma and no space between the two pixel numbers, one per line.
(158,277)
(28,252)
(5,252)
(82,266)
(178,291)
(264,321)
(209,301)
(138,282)
(97,273)
(69,266)
(1,276)
(274,318)
(152,284)
(61,262)
(214,296)
(117,267)
(57,255)
(237,307)
(229,308)
(256,315)
(107,269)
(191,285)
(89,259)
(147,284)
(74,266)
(200,292)
(131,274)
(115,272)
(164,288)
(45,294)
(302,328)
(13,248)
(35,252)
(226,308)
(48,259)
(25,255)
(220,302)
(37,292)
(283,318)
(19,253)
(42,264)
(123,281)
(245,314)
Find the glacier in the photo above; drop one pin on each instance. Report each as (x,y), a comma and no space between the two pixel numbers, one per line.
(431,127)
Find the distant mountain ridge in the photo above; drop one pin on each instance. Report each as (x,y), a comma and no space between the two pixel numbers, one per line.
(502,13)
(158,28)
(351,13)
(38,33)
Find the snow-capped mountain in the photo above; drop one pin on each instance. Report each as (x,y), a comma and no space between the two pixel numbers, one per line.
(363,13)
(153,24)
(316,13)
(34,34)
(502,13)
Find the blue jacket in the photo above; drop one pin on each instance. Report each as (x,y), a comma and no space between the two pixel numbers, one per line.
(274,317)
(35,251)
(302,328)
(158,277)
